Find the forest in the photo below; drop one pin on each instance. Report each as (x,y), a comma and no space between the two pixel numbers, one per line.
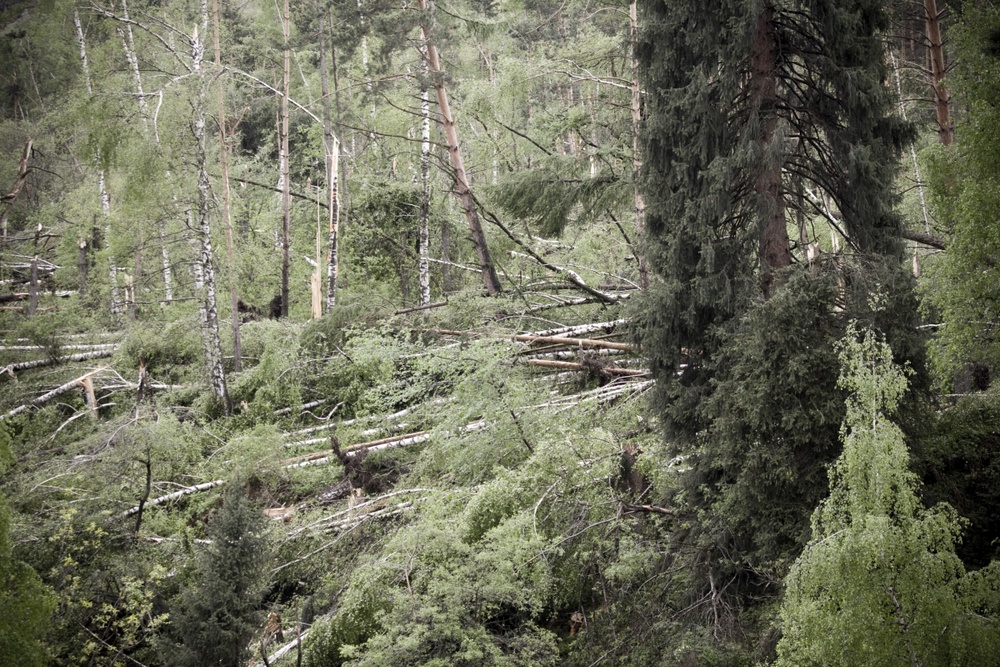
(514,333)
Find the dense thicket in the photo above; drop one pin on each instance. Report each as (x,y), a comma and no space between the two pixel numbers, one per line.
(298,368)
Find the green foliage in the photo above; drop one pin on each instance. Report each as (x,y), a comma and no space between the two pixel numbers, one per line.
(552,193)
(957,462)
(214,617)
(26,604)
(962,291)
(880,584)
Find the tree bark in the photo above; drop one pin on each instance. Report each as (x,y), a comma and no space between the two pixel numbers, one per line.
(423,243)
(331,146)
(462,189)
(640,203)
(286,185)
(932,20)
(775,253)
(227,218)
(208,309)
(115,301)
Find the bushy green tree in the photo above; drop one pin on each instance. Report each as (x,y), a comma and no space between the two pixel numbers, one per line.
(880,584)
(213,619)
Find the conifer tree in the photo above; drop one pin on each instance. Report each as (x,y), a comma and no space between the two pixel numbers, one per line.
(215,617)
(757,111)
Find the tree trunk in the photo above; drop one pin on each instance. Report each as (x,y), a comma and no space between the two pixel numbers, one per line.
(775,253)
(423,244)
(227,218)
(208,309)
(82,264)
(932,19)
(640,204)
(331,147)
(33,287)
(286,186)
(462,189)
(115,301)
(128,44)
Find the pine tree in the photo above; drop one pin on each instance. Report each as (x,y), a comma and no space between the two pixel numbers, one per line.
(758,114)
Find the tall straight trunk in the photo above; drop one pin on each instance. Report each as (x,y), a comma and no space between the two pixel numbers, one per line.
(932,20)
(461,181)
(227,218)
(331,147)
(115,306)
(286,186)
(423,243)
(128,44)
(640,203)
(208,309)
(775,253)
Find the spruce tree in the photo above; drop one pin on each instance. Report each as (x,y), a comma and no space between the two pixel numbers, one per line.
(214,618)
(758,114)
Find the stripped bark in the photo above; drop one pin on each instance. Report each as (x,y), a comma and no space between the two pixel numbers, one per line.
(576,342)
(604,370)
(463,191)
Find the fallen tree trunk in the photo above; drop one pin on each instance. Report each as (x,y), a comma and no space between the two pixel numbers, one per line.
(576,342)
(578,330)
(61,389)
(569,365)
(173,496)
(55,361)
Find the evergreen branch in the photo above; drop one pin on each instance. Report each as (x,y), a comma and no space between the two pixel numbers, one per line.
(572,276)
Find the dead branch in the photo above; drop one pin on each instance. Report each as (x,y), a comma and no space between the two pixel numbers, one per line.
(926,239)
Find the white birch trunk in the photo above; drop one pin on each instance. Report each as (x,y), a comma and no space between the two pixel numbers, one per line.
(115,305)
(208,310)
(331,146)
(423,247)
(286,191)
